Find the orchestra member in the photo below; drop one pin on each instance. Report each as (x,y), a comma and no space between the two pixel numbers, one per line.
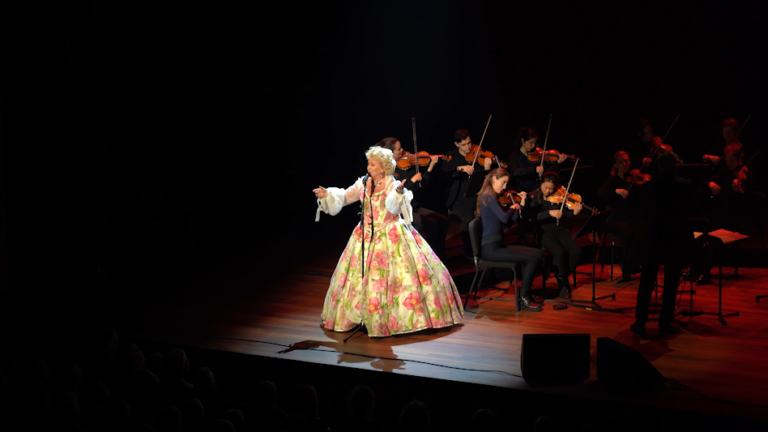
(458,171)
(730,135)
(494,219)
(433,226)
(526,173)
(624,219)
(546,215)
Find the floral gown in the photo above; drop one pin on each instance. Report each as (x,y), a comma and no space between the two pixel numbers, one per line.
(406,288)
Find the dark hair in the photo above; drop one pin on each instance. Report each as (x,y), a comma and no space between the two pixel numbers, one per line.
(640,126)
(525,134)
(388,143)
(549,176)
(460,135)
(730,122)
(486,191)
(667,164)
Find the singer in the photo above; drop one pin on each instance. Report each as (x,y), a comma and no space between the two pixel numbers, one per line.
(388,277)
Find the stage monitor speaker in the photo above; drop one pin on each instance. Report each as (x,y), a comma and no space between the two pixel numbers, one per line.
(555,358)
(624,369)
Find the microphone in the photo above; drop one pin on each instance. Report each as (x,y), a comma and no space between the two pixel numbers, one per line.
(365,179)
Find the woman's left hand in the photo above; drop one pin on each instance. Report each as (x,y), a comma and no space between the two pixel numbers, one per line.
(562,158)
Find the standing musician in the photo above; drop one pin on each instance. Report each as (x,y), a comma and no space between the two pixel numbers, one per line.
(526,173)
(459,170)
(665,207)
(730,135)
(643,151)
(433,226)
(551,234)
(493,247)
(624,219)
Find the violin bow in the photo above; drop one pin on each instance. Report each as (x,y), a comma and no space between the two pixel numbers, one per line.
(480,146)
(546,138)
(653,153)
(565,198)
(415,147)
(742,126)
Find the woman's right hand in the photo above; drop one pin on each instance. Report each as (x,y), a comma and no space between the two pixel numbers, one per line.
(467,169)
(557,214)
(319,192)
(623,192)
(540,170)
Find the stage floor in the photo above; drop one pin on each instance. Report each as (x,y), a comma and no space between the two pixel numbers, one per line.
(261,314)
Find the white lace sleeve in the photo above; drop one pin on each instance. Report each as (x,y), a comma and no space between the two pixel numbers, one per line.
(336,198)
(397,203)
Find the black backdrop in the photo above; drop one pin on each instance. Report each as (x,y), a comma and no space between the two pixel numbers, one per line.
(143,142)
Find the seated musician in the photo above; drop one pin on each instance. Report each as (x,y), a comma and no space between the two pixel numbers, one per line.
(494,219)
(458,171)
(551,233)
(730,131)
(433,226)
(526,173)
(731,203)
(624,220)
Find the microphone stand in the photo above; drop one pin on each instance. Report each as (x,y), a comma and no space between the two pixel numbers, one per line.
(361,325)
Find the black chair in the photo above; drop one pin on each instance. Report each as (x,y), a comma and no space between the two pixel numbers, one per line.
(475,236)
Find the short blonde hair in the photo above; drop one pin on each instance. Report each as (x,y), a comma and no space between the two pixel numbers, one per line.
(384,157)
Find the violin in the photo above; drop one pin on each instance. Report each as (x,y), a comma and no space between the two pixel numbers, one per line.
(507,198)
(477,154)
(407,160)
(560,195)
(550,156)
(635,176)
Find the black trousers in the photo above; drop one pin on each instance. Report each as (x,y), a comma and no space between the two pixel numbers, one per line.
(671,256)
(565,251)
(525,255)
(465,208)
(433,226)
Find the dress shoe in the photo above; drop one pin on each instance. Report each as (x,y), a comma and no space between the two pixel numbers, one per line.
(638,328)
(668,330)
(565,288)
(527,303)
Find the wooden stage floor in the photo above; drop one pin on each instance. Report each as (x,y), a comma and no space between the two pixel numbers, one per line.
(722,366)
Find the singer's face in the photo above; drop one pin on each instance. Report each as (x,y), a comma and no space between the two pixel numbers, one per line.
(375,169)
(397,152)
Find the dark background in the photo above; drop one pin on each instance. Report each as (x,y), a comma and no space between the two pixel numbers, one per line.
(144,145)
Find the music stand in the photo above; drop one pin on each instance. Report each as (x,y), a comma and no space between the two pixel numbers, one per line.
(593,224)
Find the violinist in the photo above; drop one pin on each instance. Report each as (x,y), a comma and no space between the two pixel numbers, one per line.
(458,171)
(644,151)
(433,226)
(624,220)
(525,172)
(730,135)
(493,247)
(730,200)
(544,211)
